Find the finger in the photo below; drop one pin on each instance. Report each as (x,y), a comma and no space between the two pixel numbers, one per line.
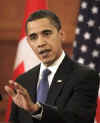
(20,92)
(16,85)
(10,91)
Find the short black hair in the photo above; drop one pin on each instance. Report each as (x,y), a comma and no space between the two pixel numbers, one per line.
(54,19)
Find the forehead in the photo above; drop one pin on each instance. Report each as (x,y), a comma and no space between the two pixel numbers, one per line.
(39,25)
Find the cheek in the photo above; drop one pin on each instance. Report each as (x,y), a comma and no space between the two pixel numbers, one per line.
(33,47)
(35,50)
(56,44)
(31,44)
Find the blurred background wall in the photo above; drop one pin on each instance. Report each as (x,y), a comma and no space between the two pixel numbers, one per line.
(11,18)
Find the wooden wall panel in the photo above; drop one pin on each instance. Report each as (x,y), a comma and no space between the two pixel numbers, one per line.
(7,56)
(11,15)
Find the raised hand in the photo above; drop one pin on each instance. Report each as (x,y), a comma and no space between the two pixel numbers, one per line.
(20,96)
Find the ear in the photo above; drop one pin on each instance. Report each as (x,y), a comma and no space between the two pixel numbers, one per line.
(62,35)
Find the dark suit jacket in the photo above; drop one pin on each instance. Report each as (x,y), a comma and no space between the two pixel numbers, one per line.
(71,99)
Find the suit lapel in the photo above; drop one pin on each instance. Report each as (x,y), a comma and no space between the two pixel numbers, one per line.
(57,85)
(33,86)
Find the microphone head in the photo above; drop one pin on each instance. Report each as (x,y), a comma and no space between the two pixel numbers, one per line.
(0,97)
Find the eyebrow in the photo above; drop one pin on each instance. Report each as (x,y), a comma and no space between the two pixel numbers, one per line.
(46,30)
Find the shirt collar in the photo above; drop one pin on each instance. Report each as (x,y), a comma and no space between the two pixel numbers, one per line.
(53,68)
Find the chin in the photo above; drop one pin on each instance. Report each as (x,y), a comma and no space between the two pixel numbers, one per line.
(48,63)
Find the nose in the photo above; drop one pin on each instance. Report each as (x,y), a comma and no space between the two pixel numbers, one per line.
(41,42)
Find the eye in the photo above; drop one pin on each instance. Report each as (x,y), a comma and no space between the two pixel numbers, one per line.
(47,32)
(33,36)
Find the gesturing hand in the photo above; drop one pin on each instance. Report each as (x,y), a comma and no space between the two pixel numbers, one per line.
(20,96)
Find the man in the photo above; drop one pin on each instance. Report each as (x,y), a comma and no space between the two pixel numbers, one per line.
(73,88)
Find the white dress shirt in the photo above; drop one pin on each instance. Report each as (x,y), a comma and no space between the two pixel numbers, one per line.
(53,68)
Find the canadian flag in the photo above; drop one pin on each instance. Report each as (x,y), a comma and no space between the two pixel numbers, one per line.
(25,57)
(98,110)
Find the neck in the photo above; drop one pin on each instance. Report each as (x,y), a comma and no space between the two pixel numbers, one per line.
(56,60)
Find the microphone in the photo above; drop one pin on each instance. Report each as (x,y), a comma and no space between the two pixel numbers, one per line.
(0,97)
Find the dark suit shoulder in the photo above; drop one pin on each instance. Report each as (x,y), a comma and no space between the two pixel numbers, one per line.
(83,72)
(28,75)
(84,69)
(76,70)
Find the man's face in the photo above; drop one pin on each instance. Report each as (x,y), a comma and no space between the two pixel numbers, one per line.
(45,40)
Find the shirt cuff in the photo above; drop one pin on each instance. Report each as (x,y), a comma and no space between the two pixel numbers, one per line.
(38,114)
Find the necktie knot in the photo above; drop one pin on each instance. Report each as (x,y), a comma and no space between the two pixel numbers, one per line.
(45,73)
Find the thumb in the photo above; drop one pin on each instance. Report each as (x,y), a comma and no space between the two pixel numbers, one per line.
(10,91)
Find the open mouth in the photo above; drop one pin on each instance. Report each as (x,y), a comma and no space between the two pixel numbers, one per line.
(44,53)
